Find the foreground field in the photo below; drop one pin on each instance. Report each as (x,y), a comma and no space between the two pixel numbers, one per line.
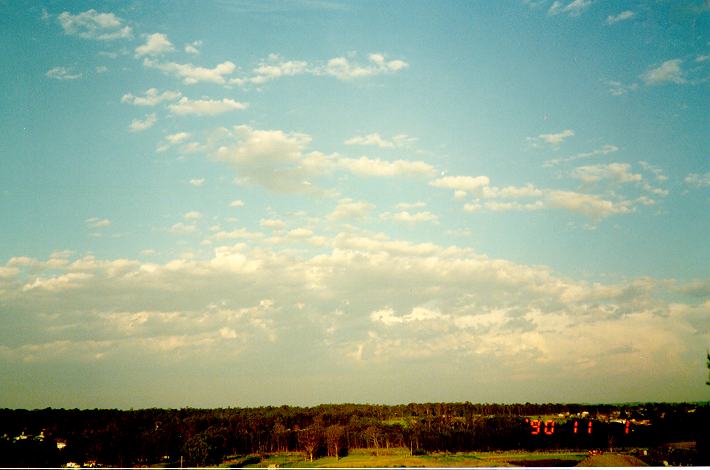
(399,457)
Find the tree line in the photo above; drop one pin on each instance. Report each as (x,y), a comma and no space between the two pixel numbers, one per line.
(206,436)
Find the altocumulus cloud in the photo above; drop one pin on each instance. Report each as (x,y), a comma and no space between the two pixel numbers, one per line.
(424,302)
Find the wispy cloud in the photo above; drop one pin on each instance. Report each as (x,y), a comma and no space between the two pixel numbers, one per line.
(151,97)
(551,139)
(669,71)
(573,8)
(374,139)
(186,106)
(156,44)
(698,180)
(604,150)
(94,25)
(191,74)
(138,125)
(63,73)
(623,16)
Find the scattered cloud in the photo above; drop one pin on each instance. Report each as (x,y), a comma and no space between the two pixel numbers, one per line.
(178,137)
(461,184)
(182,228)
(423,301)
(574,8)
(617,88)
(156,44)
(138,125)
(551,139)
(96,222)
(397,141)
(272,68)
(343,69)
(236,203)
(668,72)
(698,180)
(594,207)
(603,150)
(94,25)
(63,73)
(411,205)
(411,218)
(192,215)
(348,209)
(273,224)
(151,97)
(365,166)
(271,158)
(191,74)
(193,47)
(207,107)
(623,16)
(197,182)
(614,172)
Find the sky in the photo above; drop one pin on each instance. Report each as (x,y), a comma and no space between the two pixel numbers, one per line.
(244,203)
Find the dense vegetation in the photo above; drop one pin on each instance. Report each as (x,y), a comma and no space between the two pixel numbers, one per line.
(207,436)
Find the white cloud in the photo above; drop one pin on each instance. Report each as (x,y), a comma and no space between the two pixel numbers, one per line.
(397,141)
(191,74)
(668,71)
(574,8)
(526,191)
(604,150)
(93,25)
(497,206)
(155,45)
(101,69)
(552,139)
(460,308)
(411,218)
(351,210)
(183,228)
(465,184)
(699,180)
(95,222)
(375,167)
(623,16)
(137,125)
(193,47)
(589,205)
(342,69)
(617,88)
(192,215)
(186,106)
(615,172)
(178,137)
(275,66)
(272,68)
(271,158)
(236,203)
(152,97)
(411,205)
(197,182)
(273,224)
(63,73)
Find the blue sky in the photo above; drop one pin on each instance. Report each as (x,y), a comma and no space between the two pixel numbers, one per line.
(237,203)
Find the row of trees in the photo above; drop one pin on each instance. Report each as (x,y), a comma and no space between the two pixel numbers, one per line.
(206,436)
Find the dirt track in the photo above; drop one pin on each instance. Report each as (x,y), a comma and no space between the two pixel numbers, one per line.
(611,460)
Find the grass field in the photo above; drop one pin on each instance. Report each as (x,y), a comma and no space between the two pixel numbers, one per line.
(400,457)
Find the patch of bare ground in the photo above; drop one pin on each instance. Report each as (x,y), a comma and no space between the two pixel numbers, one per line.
(612,460)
